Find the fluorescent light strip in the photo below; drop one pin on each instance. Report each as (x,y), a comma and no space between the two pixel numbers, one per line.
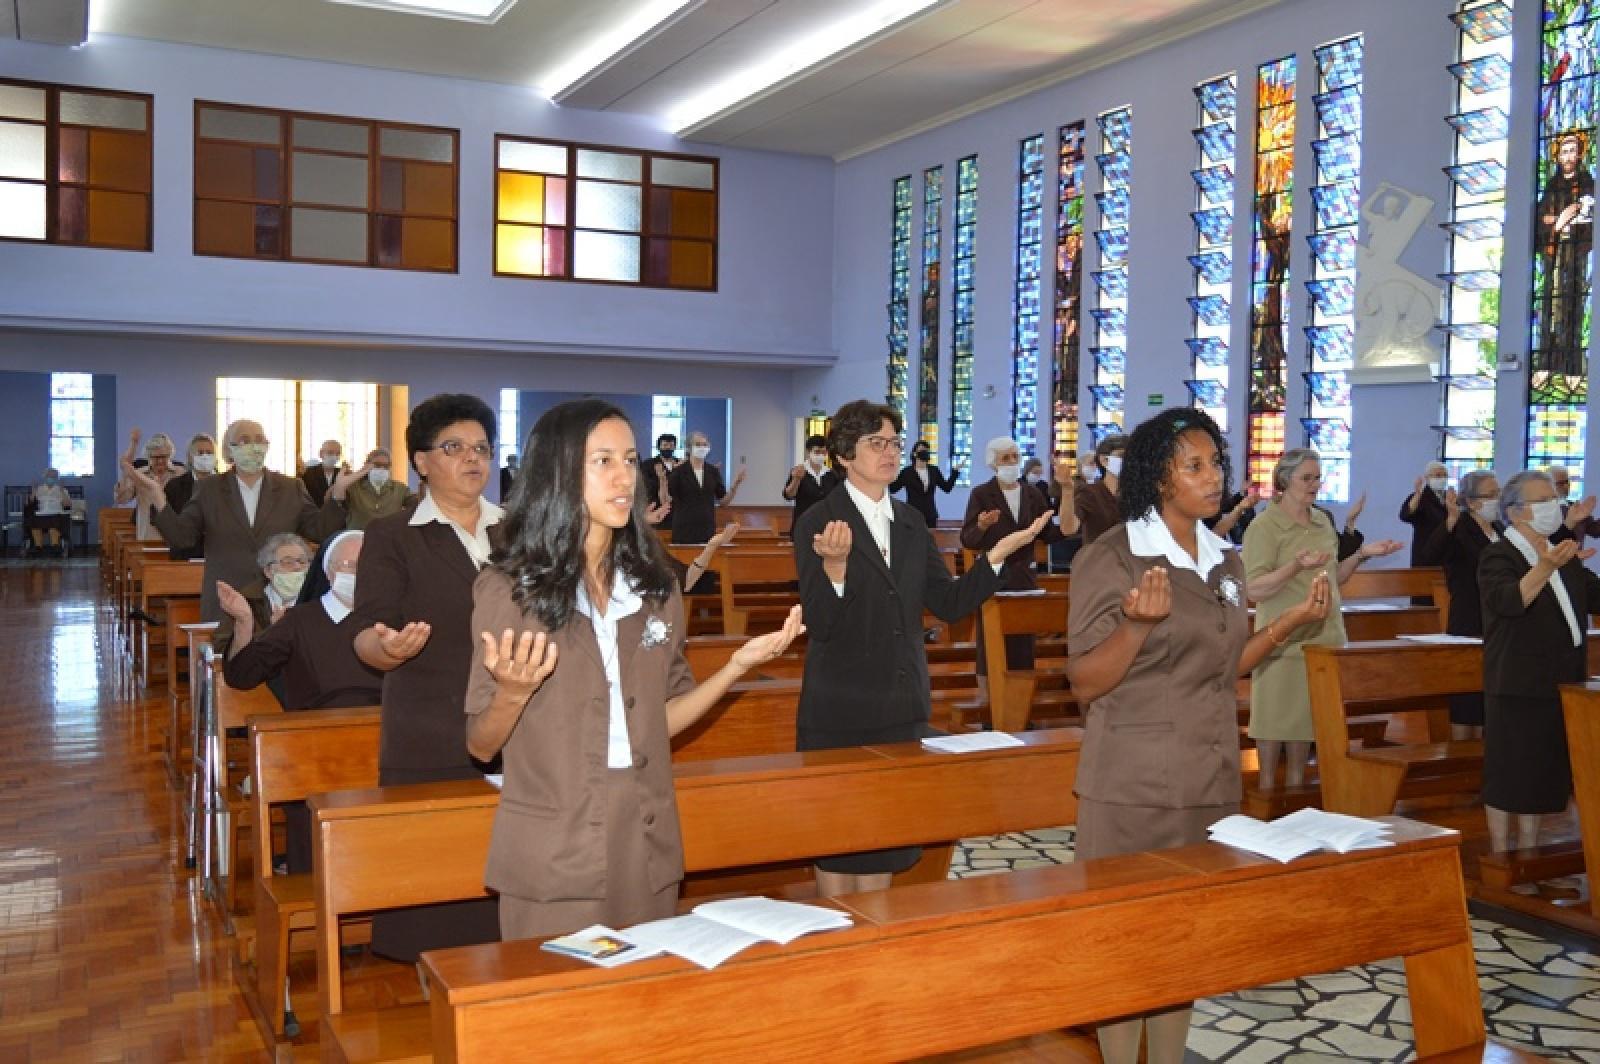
(799,56)
(484,11)
(614,42)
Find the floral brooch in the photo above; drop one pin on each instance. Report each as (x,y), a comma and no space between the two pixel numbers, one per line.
(1229,590)
(656,633)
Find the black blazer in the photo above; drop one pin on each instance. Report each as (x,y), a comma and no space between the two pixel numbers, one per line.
(317,481)
(1527,650)
(809,491)
(1428,516)
(1459,552)
(1017,574)
(179,491)
(866,667)
(919,498)
(694,505)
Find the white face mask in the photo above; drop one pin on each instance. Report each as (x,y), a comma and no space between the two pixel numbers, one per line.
(700,450)
(818,459)
(1489,509)
(1545,517)
(1438,484)
(288,584)
(1114,465)
(204,463)
(330,461)
(377,477)
(249,458)
(1035,478)
(1008,474)
(344,588)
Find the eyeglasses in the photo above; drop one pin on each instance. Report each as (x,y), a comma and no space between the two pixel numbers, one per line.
(292,565)
(880,444)
(453,448)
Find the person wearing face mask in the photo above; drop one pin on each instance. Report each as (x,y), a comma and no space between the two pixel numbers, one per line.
(201,460)
(1577,518)
(1423,510)
(921,479)
(236,512)
(1537,596)
(810,480)
(1033,476)
(319,478)
(1096,506)
(374,492)
(50,515)
(1471,523)
(158,466)
(696,490)
(1003,505)
(653,474)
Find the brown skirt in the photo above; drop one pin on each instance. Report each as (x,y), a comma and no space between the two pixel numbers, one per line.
(1107,830)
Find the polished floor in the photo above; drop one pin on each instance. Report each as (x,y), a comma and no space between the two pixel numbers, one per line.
(108,953)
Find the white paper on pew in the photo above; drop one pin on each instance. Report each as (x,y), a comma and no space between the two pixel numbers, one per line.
(1338,832)
(495,779)
(1441,637)
(1021,594)
(1294,836)
(970,742)
(776,921)
(1369,606)
(694,938)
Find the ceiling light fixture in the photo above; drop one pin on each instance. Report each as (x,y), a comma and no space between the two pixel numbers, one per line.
(831,42)
(484,11)
(615,43)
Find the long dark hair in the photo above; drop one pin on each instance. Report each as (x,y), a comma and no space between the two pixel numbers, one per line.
(1147,461)
(545,520)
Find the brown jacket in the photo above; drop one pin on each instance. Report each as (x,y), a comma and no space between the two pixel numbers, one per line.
(549,838)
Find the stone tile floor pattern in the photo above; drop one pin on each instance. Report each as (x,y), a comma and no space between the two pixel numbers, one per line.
(1538,994)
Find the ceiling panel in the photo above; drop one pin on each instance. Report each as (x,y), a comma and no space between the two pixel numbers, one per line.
(50,21)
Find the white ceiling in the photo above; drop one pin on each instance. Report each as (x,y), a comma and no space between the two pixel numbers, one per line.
(957,57)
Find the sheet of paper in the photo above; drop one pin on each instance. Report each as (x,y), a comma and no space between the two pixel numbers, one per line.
(1248,833)
(1370,606)
(496,780)
(1441,637)
(777,921)
(1020,594)
(694,938)
(1336,831)
(967,742)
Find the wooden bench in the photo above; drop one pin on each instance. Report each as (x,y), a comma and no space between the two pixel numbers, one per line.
(381,849)
(761,582)
(1391,583)
(161,583)
(1089,942)
(1014,694)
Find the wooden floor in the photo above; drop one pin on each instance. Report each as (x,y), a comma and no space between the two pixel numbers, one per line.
(107,951)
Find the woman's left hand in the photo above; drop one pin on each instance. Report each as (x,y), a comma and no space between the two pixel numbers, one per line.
(1009,545)
(763,648)
(519,666)
(1315,605)
(1380,549)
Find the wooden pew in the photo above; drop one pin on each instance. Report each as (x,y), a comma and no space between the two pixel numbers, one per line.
(195,636)
(380,849)
(1391,583)
(1015,693)
(108,520)
(756,581)
(163,582)
(1090,942)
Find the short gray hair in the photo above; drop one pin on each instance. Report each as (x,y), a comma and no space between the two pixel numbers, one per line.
(1292,459)
(160,443)
(992,449)
(1512,491)
(1471,481)
(269,550)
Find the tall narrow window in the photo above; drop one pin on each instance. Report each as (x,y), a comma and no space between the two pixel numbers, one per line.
(1213,246)
(1558,357)
(1025,297)
(510,442)
(1269,267)
(928,372)
(1482,124)
(961,338)
(1336,197)
(1068,287)
(75,166)
(667,418)
(72,424)
(1111,301)
(900,298)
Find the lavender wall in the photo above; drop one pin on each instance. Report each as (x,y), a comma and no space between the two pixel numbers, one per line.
(1406,141)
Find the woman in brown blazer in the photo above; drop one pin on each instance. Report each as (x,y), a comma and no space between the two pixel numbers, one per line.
(579,680)
(1159,633)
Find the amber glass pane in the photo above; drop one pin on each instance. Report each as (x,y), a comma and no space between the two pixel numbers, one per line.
(224,229)
(427,244)
(680,264)
(118,219)
(119,160)
(519,249)
(73,155)
(521,197)
(234,171)
(682,212)
(430,189)
(72,216)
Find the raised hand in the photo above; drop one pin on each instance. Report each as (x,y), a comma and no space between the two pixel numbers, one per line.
(1009,545)
(1452,506)
(133,445)
(1416,485)
(1151,601)
(519,665)
(797,472)
(723,538)
(234,604)
(1063,474)
(1355,510)
(739,475)
(986,519)
(1311,559)
(833,542)
(1380,549)
(343,482)
(146,486)
(1252,495)
(764,648)
(1315,605)
(1579,512)
(656,512)
(405,644)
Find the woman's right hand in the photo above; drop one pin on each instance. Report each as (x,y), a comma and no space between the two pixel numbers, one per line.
(1315,605)
(143,483)
(832,545)
(1311,559)
(234,604)
(1150,602)
(519,665)
(405,644)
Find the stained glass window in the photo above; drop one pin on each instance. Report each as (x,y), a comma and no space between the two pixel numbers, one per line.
(963,274)
(1269,264)
(1212,261)
(1558,358)
(1337,195)
(900,298)
(1068,287)
(928,373)
(1025,297)
(72,424)
(1111,282)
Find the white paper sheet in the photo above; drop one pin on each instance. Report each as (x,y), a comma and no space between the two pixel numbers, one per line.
(776,921)
(967,742)
(694,938)
(1441,637)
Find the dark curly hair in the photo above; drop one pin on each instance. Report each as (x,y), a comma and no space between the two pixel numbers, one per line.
(545,522)
(1147,463)
(855,420)
(432,416)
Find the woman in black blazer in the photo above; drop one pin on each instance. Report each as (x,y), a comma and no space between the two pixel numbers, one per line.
(921,479)
(1537,596)
(1423,510)
(1458,543)
(697,488)
(867,567)
(811,480)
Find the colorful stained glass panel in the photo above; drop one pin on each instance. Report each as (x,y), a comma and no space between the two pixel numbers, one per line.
(1484,23)
(1487,74)
(1211,350)
(1482,126)
(1478,178)
(1215,267)
(1216,141)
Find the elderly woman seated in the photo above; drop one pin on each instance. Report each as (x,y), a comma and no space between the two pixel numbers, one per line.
(49,514)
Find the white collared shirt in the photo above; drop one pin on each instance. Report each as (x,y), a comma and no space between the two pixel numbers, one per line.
(251,495)
(1013,498)
(336,610)
(625,602)
(879,517)
(1149,537)
(1557,585)
(476,543)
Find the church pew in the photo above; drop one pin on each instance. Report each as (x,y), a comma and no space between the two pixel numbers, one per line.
(1014,694)
(1391,583)
(1089,942)
(162,583)
(756,581)
(195,637)
(108,521)
(380,849)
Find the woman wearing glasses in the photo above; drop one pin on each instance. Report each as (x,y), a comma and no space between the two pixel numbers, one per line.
(413,610)
(867,567)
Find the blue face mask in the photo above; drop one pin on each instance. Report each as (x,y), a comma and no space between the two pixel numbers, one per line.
(50,478)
